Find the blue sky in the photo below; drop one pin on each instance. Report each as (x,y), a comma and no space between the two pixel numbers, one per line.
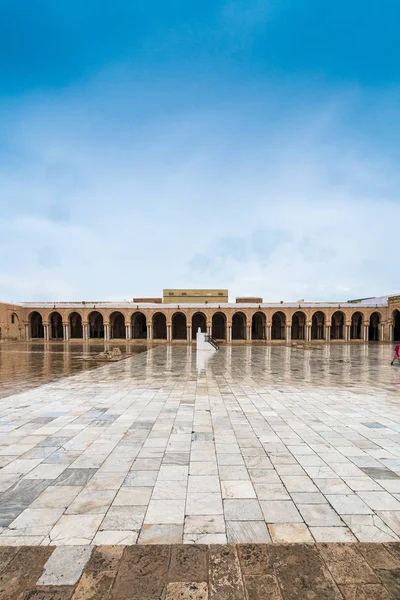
(243,144)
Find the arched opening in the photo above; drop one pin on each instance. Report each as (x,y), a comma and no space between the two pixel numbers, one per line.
(258,326)
(239,326)
(56,326)
(198,320)
(117,326)
(75,325)
(179,326)
(298,326)
(278,326)
(139,326)
(396,325)
(219,326)
(337,326)
(374,323)
(13,330)
(356,326)
(37,329)
(318,326)
(96,325)
(159,327)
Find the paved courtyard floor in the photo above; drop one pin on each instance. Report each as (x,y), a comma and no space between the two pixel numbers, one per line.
(257,444)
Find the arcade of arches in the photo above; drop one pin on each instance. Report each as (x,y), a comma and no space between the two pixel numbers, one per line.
(227,325)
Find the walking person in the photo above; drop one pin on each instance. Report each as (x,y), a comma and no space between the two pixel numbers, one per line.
(396,355)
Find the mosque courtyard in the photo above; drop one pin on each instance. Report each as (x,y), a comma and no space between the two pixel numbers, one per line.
(249,445)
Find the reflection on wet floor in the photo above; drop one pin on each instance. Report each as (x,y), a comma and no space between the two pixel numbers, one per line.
(26,365)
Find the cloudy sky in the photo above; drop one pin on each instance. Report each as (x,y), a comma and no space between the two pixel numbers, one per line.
(246,144)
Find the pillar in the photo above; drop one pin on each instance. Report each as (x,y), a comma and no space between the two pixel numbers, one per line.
(66,331)
(328,333)
(46,328)
(106,332)
(308,332)
(347,332)
(189,333)
(209,329)
(27,332)
(248,336)
(366,330)
(128,332)
(269,336)
(169,332)
(85,331)
(229,333)
(288,333)
(382,332)
(391,334)
(149,331)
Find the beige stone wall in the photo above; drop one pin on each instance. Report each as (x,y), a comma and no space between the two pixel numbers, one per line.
(240,324)
(179,296)
(11,322)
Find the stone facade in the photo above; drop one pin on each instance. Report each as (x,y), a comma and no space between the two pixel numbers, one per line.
(376,319)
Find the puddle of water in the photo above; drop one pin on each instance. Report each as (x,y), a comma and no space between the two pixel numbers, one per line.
(26,365)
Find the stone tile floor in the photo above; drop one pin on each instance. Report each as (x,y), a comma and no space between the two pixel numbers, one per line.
(256,444)
(217,572)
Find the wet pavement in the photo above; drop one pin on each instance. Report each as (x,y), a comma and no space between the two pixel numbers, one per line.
(241,572)
(24,365)
(250,445)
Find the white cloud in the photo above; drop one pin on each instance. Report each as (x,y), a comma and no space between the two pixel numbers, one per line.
(270,204)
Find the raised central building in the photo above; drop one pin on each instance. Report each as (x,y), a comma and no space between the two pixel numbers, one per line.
(180,314)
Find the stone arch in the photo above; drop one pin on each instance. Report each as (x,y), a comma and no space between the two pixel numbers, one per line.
(159,326)
(36,322)
(396,325)
(218,328)
(117,326)
(356,328)
(139,326)
(13,330)
(278,326)
(179,326)
(318,326)
(374,327)
(96,325)
(258,326)
(337,325)
(299,326)
(75,325)
(198,320)
(239,326)
(56,326)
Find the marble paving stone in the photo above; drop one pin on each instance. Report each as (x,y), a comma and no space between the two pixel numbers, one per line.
(75,530)
(123,518)
(319,515)
(140,479)
(204,483)
(239,532)
(380,500)
(289,533)
(271,491)
(348,504)
(204,504)
(114,537)
(57,497)
(332,534)
(75,477)
(233,473)
(133,496)
(202,524)
(237,489)
(203,468)
(242,510)
(65,566)
(165,512)
(161,534)
(91,502)
(280,511)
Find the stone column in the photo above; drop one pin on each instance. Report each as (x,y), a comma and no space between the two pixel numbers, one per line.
(327,333)
(66,331)
(229,333)
(209,329)
(189,333)
(390,332)
(248,336)
(128,332)
(85,332)
(347,332)
(308,332)
(46,328)
(149,331)
(288,333)
(27,332)
(382,332)
(366,331)
(106,332)
(169,332)
(269,336)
